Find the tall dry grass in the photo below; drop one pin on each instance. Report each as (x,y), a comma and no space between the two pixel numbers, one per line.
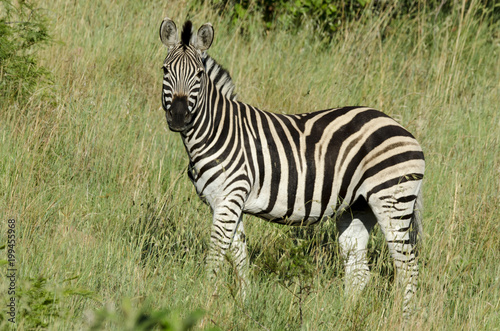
(106,213)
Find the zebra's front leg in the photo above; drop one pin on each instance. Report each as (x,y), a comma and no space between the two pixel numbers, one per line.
(238,251)
(228,236)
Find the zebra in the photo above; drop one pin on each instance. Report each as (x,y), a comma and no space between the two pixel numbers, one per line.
(354,164)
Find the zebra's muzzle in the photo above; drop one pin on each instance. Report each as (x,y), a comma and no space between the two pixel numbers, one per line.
(178,116)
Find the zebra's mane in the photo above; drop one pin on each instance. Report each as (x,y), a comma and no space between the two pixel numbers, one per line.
(219,76)
(186,34)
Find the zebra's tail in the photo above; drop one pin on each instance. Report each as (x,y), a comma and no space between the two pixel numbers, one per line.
(416,234)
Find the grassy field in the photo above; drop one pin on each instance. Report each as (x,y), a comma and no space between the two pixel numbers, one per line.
(109,227)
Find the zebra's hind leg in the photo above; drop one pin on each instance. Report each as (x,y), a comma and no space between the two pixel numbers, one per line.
(354,228)
(399,222)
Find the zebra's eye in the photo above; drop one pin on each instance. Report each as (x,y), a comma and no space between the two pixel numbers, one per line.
(199,72)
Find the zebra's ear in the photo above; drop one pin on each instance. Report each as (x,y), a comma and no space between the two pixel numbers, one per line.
(204,37)
(168,33)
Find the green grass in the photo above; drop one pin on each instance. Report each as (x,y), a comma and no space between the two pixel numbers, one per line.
(107,216)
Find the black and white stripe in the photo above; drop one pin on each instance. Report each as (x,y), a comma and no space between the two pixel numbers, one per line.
(352,163)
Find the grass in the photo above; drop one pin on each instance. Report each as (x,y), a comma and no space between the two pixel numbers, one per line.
(109,224)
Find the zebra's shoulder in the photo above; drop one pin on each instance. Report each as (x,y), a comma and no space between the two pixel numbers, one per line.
(219,76)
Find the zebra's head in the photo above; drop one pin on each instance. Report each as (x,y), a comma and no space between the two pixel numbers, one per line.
(183,71)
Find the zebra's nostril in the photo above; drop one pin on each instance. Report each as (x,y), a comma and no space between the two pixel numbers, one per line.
(168,114)
(188,117)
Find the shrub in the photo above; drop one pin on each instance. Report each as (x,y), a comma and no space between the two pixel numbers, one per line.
(23,29)
(329,16)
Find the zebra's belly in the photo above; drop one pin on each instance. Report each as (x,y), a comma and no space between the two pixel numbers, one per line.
(261,203)
(300,213)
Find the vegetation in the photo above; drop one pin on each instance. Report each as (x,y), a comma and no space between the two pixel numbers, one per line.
(110,233)
(22,30)
(328,16)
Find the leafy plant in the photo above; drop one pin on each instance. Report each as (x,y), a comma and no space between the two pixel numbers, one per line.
(327,16)
(23,29)
(129,318)
(291,259)
(39,305)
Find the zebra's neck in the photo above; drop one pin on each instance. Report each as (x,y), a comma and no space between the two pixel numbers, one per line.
(219,76)
(219,91)
(214,107)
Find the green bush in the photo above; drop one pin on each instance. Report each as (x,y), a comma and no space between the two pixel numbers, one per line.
(127,317)
(23,29)
(329,16)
